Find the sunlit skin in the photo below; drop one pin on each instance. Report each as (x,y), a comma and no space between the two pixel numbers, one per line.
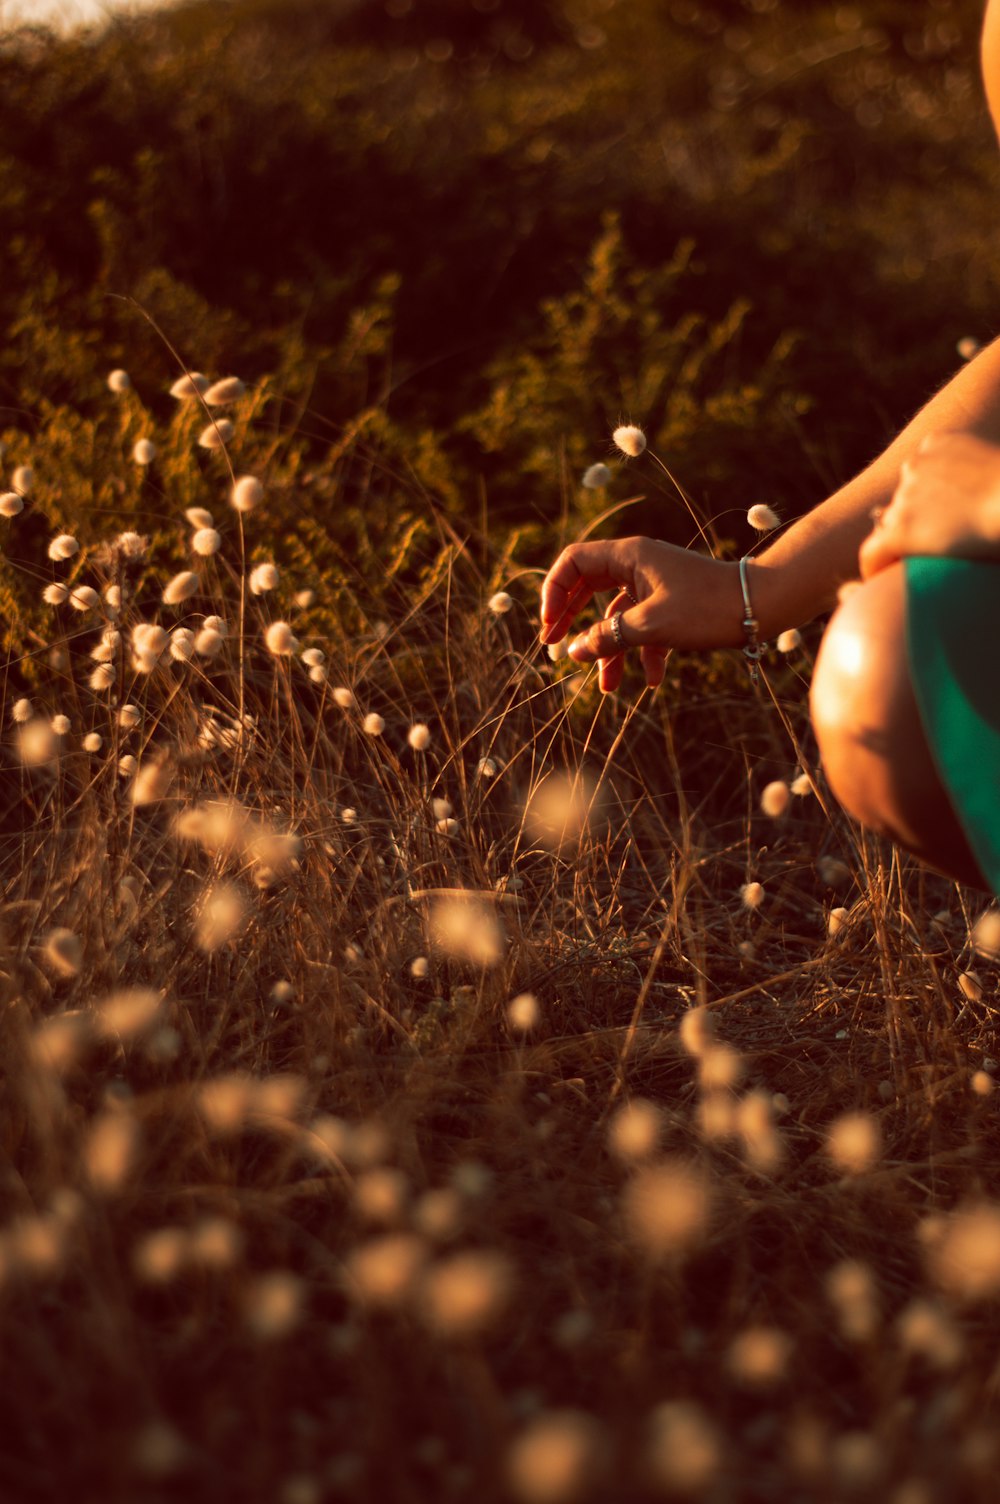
(934,490)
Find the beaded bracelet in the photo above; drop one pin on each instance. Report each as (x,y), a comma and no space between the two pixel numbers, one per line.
(753,649)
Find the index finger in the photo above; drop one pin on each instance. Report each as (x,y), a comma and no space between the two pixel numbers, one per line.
(579,570)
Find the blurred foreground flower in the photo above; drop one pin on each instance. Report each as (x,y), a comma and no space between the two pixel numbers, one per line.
(559,808)
(468,929)
(557,1459)
(596,477)
(667,1207)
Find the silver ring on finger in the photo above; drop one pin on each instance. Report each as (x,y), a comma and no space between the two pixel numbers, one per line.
(616,631)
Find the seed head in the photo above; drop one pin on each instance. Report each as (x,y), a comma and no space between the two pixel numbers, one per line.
(763,518)
(344,697)
(182,644)
(63,547)
(221,393)
(274,1305)
(968,347)
(191,384)
(199,517)
(216,435)
(854,1142)
(667,1207)
(774,799)
(635,1130)
(61,725)
(801,785)
(10,504)
(247,494)
(971,986)
(630,440)
(467,929)
(280,639)
(208,643)
(837,920)
(152,783)
(596,478)
(964,1257)
(84,598)
(181,588)
(206,541)
(986,935)
(419,737)
(93,741)
(221,915)
(373,724)
(113,599)
(684,1452)
(263,579)
(119,381)
(557,1458)
(23,480)
(486,767)
(523,1013)
(789,641)
(102,678)
(384,1270)
(419,968)
(461,1296)
(22,711)
(500,603)
(110,1151)
(314,657)
(144,452)
(752,895)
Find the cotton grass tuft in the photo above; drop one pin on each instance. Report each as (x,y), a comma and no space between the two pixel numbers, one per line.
(191,385)
(263,577)
(635,1131)
(762,518)
(247,494)
(523,1013)
(419,737)
(206,541)
(181,588)
(629,439)
(11,504)
(220,916)
(144,451)
(373,724)
(279,639)
(216,435)
(500,603)
(557,1459)
(23,480)
(221,393)
(752,896)
(789,641)
(63,547)
(596,477)
(119,381)
(774,799)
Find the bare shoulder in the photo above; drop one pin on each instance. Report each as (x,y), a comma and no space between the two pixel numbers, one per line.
(990,52)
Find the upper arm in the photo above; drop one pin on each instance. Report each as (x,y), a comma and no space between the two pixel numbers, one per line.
(990,53)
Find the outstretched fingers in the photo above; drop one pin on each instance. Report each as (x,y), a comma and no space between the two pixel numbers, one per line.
(580,570)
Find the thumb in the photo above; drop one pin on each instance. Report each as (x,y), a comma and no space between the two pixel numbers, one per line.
(601,641)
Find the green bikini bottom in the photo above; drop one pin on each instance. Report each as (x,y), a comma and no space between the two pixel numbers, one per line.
(953,606)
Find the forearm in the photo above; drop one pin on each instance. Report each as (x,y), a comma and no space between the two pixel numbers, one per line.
(799,575)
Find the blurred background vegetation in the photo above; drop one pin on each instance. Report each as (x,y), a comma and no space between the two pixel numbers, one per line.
(479,233)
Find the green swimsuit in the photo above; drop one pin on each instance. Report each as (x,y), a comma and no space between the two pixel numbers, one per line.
(952,606)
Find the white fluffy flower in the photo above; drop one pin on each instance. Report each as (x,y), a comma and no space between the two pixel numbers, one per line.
(247,494)
(127,765)
(10,504)
(774,799)
(752,895)
(968,346)
(216,435)
(182,644)
(61,725)
(191,384)
(762,518)
(419,737)
(629,439)
(229,389)
(208,643)
(102,678)
(55,595)
(789,640)
(131,545)
(500,603)
(318,673)
(113,597)
(280,639)
(263,578)
(84,598)
(93,741)
(206,541)
(144,451)
(63,547)
(313,657)
(129,717)
(22,711)
(181,588)
(373,724)
(486,767)
(304,599)
(23,480)
(199,517)
(343,696)
(596,477)
(119,381)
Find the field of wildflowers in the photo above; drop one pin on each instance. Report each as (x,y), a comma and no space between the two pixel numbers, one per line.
(423,1076)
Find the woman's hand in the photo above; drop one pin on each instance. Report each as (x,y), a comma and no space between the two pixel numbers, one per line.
(947,503)
(668,597)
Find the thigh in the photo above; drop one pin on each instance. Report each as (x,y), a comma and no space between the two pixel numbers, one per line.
(871,737)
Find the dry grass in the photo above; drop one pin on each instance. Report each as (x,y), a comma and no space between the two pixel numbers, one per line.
(296,1207)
